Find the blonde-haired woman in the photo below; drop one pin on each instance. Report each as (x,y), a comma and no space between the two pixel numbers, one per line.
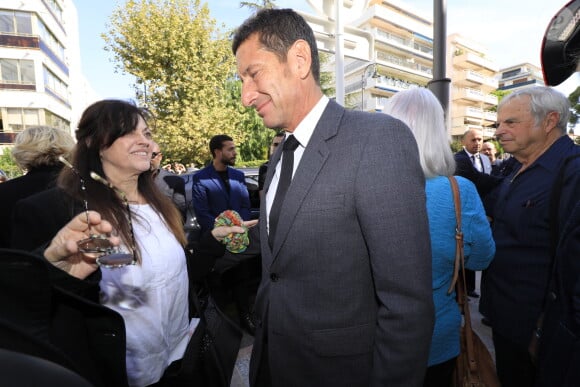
(36,151)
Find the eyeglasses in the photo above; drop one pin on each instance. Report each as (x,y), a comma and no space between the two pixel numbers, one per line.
(275,144)
(108,255)
(155,154)
(116,257)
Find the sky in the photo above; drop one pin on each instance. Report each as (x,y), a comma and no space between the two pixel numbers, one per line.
(511,30)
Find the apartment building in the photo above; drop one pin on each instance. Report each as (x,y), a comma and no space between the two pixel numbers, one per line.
(472,76)
(40,74)
(520,76)
(388,47)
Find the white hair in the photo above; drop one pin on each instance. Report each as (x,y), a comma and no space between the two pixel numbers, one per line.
(543,100)
(423,114)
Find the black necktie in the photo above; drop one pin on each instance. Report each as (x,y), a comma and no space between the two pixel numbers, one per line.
(288,148)
(477,163)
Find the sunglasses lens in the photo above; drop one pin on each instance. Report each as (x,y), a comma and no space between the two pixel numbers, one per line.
(94,244)
(116,260)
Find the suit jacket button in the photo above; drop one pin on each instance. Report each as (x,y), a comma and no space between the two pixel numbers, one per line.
(274,277)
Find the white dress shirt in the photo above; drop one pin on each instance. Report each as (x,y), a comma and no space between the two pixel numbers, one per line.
(302,133)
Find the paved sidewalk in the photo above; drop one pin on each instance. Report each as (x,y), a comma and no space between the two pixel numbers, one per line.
(240,376)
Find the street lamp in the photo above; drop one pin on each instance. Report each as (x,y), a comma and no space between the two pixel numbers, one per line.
(375,74)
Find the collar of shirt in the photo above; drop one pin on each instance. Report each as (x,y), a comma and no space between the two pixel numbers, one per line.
(470,154)
(305,128)
(551,159)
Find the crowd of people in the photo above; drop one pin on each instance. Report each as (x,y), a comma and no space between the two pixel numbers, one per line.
(354,249)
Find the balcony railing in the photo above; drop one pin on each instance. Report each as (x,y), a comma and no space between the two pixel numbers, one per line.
(475,95)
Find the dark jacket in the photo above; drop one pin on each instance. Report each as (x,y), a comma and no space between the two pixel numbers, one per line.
(72,320)
(559,352)
(484,182)
(36,180)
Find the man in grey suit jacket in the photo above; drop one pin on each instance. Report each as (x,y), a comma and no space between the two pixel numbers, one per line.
(345,297)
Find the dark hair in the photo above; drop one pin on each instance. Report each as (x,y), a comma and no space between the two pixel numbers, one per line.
(278,30)
(217,142)
(100,125)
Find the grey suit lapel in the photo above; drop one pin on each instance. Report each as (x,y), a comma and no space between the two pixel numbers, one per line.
(313,159)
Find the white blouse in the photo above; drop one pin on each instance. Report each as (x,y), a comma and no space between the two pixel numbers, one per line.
(152,297)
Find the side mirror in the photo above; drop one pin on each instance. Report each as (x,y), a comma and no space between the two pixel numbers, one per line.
(561,45)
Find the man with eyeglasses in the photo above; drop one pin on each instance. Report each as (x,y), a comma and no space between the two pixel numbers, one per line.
(532,127)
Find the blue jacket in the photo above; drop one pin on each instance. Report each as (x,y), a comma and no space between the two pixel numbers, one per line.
(479,249)
(210,196)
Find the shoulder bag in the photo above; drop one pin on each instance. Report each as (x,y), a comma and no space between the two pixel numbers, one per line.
(474,365)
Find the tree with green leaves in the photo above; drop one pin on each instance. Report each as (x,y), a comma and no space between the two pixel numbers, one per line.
(265,4)
(8,165)
(499,94)
(183,63)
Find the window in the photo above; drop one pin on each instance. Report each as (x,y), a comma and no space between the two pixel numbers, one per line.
(9,70)
(51,41)
(15,22)
(511,73)
(18,118)
(54,83)
(55,8)
(56,121)
(18,71)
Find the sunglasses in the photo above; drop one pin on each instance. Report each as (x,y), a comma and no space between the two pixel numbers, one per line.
(108,256)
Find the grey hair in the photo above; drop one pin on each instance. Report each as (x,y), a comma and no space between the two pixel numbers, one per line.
(543,100)
(38,146)
(423,114)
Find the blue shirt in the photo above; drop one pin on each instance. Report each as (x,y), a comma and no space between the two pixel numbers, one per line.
(516,280)
(479,249)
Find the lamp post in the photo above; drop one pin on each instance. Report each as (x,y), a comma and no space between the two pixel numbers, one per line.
(375,74)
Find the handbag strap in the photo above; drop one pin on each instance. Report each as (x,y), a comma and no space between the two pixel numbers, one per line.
(459,279)
(458,234)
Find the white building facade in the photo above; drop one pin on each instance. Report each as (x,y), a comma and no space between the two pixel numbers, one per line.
(40,73)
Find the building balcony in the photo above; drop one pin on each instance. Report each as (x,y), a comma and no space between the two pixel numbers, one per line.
(402,20)
(389,84)
(476,114)
(406,44)
(474,95)
(19,41)
(407,65)
(469,60)
(470,78)
(7,138)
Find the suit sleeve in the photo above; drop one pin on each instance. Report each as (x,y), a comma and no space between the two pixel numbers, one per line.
(483,182)
(391,207)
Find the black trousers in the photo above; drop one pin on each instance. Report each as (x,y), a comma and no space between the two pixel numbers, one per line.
(470,280)
(439,375)
(513,363)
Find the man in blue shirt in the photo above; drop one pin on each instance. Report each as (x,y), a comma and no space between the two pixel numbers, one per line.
(532,127)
